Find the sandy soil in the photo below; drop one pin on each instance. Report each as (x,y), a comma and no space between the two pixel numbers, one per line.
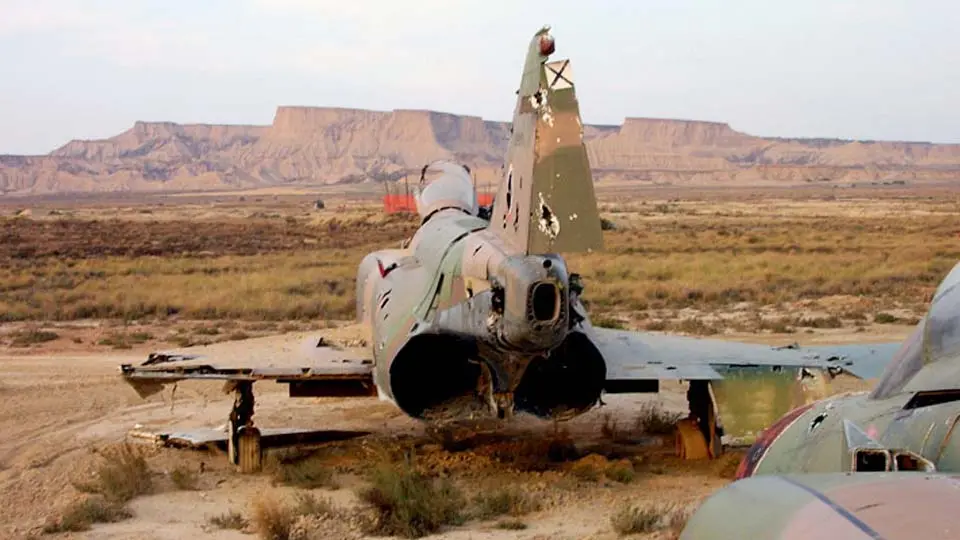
(58,407)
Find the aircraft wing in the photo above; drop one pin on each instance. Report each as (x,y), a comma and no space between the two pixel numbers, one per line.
(642,355)
(311,368)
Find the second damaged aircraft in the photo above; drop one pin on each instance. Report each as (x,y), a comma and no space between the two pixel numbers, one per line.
(878,464)
(478,314)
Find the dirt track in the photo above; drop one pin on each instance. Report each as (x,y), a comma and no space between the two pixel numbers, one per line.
(56,409)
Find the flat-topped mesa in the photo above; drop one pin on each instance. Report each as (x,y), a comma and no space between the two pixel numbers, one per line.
(455,130)
(145,137)
(299,121)
(403,125)
(402,139)
(312,145)
(664,132)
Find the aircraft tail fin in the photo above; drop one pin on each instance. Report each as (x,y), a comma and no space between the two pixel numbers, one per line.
(545,202)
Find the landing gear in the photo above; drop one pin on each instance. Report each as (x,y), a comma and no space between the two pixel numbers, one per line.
(698,436)
(498,382)
(503,403)
(243,443)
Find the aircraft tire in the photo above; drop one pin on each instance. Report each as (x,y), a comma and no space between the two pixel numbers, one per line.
(690,441)
(249,451)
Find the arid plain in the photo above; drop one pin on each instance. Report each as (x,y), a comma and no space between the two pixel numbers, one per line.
(87,284)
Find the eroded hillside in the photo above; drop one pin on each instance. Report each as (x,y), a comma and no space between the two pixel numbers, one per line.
(315,145)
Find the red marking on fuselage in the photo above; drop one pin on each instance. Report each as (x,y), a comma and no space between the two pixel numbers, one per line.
(769,435)
(384,271)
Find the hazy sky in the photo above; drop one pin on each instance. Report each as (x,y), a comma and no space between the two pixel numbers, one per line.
(878,69)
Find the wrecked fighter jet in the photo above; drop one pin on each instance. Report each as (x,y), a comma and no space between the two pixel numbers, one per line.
(478,315)
(907,422)
(881,464)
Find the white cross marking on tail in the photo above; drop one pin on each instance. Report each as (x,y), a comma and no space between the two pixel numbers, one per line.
(559,74)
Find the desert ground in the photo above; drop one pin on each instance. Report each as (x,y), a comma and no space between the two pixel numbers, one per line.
(88,284)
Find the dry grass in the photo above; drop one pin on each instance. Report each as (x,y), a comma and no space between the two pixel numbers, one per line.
(80,516)
(716,260)
(302,470)
(184,478)
(240,269)
(271,518)
(650,517)
(503,501)
(26,338)
(678,256)
(511,525)
(653,419)
(610,429)
(594,467)
(275,519)
(410,504)
(123,475)
(621,471)
(228,520)
(125,340)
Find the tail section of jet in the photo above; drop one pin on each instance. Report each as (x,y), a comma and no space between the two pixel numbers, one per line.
(546,202)
(485,306)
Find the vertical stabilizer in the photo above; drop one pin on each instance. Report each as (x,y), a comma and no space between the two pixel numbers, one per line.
(545,202)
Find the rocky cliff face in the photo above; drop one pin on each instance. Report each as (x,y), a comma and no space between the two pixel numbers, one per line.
(313,145)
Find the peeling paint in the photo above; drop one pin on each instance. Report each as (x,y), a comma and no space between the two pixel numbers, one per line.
(539,102)
(535,100)
(547,220)
(547,117)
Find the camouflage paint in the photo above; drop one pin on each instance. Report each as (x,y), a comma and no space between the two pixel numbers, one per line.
(891,506)
(914,407)
(546,201)
(493,294)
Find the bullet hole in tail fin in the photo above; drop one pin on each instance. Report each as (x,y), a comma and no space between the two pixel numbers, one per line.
(509,197)
(516,211)
(549,224)
(537,99)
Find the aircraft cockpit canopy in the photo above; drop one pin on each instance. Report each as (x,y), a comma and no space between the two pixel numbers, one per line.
(929,359)
(444,184)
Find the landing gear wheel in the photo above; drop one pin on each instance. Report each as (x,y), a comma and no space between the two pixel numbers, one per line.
(243,444)
(698,435)
(690,443)
(249,451)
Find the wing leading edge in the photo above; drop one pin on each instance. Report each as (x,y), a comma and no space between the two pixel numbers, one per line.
(314,369)
(640,355)
(752,385)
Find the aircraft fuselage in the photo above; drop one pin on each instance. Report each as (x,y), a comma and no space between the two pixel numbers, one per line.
(457,319)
